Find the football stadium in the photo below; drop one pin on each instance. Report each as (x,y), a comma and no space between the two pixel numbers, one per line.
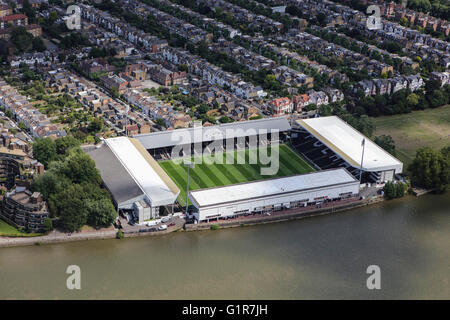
(314,161)
(205,175)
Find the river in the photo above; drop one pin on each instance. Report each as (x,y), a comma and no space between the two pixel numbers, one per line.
(313,258)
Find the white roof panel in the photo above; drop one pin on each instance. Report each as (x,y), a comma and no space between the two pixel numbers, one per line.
(142,172)
(271,187)
(346,141)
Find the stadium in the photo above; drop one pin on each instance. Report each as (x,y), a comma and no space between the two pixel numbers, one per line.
(316,161)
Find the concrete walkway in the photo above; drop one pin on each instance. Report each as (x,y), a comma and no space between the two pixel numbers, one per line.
(57,236)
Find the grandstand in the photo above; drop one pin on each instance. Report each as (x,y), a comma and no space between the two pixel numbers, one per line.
(237,134)
(329,142)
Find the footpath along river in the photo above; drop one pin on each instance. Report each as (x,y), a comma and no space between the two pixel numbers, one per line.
(314,258)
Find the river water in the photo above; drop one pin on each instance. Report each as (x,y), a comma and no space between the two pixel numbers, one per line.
(314,258)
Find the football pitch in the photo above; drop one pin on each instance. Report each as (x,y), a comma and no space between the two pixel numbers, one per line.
(207,175)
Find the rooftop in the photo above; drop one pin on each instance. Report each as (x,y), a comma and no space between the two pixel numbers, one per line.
(271,187)
(229,130)
(346,141)
(14,17)
(144,170)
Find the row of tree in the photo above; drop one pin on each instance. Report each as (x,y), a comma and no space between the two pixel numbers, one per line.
(394,190)
(404,101)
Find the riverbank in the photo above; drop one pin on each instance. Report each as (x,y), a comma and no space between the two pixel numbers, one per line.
(286,215)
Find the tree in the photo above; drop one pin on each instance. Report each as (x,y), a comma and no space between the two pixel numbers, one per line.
(95,125)
(101,213)
(225,119)
(49,183)
(389,190)
(52,17)
(183,67)
(79,167)
(203,108)
(73,214)
(431,169)
(38,44)
(386,142)
(22,39)
(412,100)
(365,125)
(65,143)
(44,150)
(70,206)
(394,190)
(48,225)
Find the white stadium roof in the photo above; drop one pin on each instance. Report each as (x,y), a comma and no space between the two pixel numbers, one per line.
(170,138)
(345,141)
(147,174)
(271,187)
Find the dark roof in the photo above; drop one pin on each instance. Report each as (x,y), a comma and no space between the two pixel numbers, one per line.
(115,177)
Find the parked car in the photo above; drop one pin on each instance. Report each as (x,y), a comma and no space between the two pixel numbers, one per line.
(162,227)
(165,219)
(172,224)
(150,223)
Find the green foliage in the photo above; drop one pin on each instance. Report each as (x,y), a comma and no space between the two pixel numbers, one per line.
(73,40)
(22,39)
(82,204)
(259,116)
(101,212)
(214,227)
(394,190)
(404,101)
(48,225)
(225,119)
(78,167)
(95,125)
(119,234)
(50,183)
(44,150)
(38,44)
(72,187)
(431,169)
(63,145)
(25,42)
(70,205)
(386,142)
(161,122)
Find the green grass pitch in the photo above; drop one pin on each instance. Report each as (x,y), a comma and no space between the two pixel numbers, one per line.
(214,175)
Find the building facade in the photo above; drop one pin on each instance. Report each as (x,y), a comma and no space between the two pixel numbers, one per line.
(25,209)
